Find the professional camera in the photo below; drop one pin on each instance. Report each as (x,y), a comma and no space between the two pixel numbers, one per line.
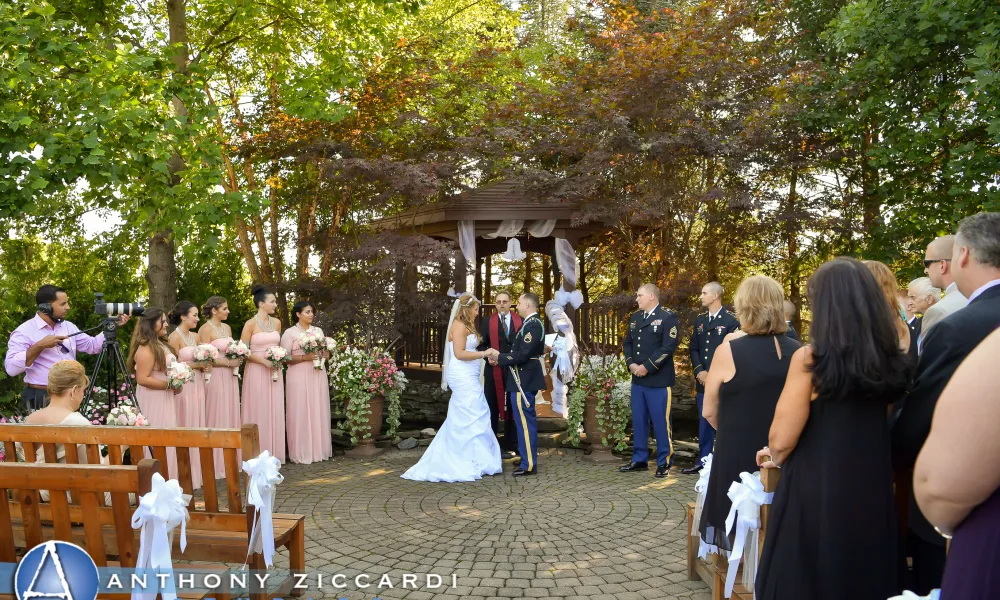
(116,309)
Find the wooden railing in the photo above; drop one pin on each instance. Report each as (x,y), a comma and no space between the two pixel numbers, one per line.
(597,329)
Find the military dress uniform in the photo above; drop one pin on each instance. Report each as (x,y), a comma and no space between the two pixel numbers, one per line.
(524,377)
(709,331)
(650,341)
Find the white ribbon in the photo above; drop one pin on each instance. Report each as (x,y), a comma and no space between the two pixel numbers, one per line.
(702,488)
(575,298)
(159,512)
(264,478)
(908,595)
(747,498)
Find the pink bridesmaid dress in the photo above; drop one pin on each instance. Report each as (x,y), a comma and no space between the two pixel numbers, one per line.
(160,409)
(191,410)
(307,405)
(222,403)
(264,399)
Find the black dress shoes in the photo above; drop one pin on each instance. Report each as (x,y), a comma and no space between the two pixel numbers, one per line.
(692,470)
(508,454)
(661,471)
(521,472)
(634,466)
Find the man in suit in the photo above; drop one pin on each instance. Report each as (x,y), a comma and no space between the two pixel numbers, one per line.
(975,262)
(649,345)
(789,313)
(921,295)
(524,378)
(498,333)
(710,327)
(938,267)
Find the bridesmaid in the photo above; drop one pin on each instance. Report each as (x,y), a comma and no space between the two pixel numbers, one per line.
(264,399)
(308,393)
(222,393)
(191,401)
(148,358)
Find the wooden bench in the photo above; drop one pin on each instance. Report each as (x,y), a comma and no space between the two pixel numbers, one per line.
(713,569)
(215,533)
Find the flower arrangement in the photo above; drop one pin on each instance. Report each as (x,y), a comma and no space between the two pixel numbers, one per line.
(204,356)
(606,377)
(126,415)
(178,374)
(356,376)
(277,356)
(311,342)
(237,350)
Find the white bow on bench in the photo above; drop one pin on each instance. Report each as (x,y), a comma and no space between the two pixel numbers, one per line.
(159,512)
(748,496)
(702,488)
(264,478)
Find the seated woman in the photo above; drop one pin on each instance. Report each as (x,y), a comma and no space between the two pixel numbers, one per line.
(67,382)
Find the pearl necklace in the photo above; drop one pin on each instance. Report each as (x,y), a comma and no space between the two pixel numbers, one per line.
(222,333)
(266,329)
(187,340)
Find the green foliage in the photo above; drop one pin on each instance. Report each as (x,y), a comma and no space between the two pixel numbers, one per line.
(206,270)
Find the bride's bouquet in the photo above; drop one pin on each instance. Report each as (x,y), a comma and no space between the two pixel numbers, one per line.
(311,342)
(178,374)
(277,356)
(237,350)
(204,356)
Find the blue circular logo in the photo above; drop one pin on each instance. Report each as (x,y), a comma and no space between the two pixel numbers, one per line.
(56,570)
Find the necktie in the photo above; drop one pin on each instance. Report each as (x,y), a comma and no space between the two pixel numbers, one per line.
(506,328)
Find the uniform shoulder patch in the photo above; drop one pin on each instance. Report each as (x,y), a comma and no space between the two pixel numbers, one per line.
(673,331)
(527,338)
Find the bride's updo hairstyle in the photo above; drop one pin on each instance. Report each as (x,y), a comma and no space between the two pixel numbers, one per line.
(468,310)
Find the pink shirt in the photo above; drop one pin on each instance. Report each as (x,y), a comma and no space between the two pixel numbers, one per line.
(31,332)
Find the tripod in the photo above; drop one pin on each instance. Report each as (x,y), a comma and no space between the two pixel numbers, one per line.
(111,358)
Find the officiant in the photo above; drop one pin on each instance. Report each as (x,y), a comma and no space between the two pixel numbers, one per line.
(498,333)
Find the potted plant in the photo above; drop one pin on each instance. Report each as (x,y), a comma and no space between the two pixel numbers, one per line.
(369,385)
(599,400)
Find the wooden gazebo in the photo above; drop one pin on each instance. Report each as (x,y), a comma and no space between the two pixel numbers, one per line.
(480,213)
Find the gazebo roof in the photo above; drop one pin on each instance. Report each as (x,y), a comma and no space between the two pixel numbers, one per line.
(488,206)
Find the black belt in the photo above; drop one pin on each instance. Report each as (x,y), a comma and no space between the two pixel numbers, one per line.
(36,387)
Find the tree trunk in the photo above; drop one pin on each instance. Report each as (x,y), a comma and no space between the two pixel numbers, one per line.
(488,279)
(792,245)
(546,280)
(161,273)
(583,275)
(527,272)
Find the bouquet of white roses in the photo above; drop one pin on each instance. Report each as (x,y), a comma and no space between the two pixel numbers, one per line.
(126,415)
(178,374)
(311,342)
(205,355)
(237,350)
(277,356)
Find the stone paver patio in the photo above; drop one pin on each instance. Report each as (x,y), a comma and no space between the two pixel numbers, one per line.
(576,530)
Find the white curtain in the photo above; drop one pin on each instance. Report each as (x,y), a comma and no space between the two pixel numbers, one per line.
(566,259)
(467,241)
(507,229)
(542,228)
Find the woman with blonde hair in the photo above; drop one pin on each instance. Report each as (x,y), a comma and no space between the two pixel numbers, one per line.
(465,448)
(743,386)
(890,289)
(67,383)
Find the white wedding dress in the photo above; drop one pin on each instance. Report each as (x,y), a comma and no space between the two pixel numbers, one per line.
(465,447)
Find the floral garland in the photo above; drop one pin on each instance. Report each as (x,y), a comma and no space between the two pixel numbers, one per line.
(355,377)
(606,378)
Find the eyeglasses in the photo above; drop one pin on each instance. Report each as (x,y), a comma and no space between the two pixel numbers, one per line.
(928,262)
(502,302)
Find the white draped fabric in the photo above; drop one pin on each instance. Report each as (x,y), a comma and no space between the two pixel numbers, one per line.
(264,479)
(566,259)
(467,240)
(565,255)
(159,512)
(748,496)
(507,229)
(542,228)
(701,487)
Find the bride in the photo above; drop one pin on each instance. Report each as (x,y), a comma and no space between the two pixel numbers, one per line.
(465,448)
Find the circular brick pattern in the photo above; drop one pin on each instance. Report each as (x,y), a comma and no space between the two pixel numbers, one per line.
(575,530)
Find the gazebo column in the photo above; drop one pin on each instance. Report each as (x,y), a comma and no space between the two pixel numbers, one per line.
(478,285)
(546,280)
(488,279)
(461,274)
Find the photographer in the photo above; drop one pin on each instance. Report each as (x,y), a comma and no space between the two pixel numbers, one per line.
(44,340)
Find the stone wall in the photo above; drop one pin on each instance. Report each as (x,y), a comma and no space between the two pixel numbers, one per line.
(424,403)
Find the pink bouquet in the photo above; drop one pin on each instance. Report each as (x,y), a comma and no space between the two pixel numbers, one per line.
(277,356)
(204,356)
(311,342)
(125,415)
(178,374)
(237,350)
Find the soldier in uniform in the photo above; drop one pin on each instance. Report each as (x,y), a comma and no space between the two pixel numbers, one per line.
(524,377)
(710,328)
(649,345)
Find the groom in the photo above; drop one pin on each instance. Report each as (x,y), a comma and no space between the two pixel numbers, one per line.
(524,378)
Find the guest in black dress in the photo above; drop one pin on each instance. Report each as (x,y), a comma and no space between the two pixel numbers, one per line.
(742,389)
(832,532)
